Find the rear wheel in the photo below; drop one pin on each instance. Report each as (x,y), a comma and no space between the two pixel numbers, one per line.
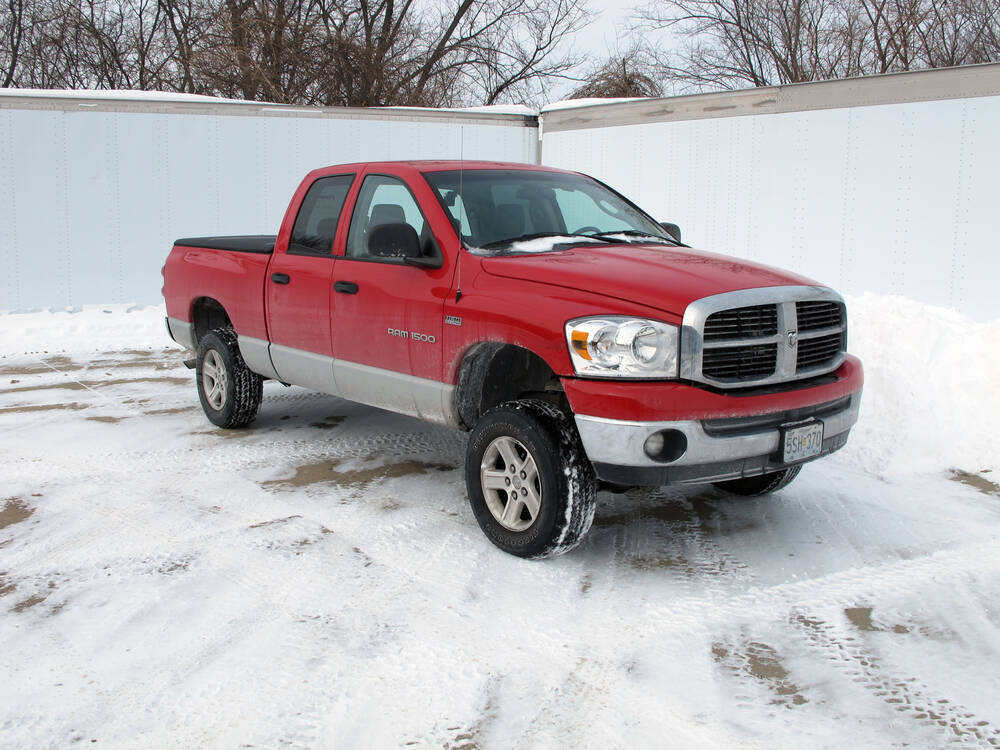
(760,485)
(531,486)
(229,392)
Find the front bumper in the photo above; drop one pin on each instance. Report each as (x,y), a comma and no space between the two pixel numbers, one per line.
(616,448)
(724,437)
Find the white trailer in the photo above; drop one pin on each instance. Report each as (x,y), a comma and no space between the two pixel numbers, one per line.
(95,186)
(886,184)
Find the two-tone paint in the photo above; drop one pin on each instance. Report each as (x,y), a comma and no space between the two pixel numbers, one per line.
(303,331)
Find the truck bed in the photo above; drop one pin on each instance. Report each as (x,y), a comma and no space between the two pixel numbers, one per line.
(241,243)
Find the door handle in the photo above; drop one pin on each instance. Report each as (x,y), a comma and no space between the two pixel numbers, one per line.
(346,287)
(280,278)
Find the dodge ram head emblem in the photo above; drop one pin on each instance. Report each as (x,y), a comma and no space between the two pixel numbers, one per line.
(793,339)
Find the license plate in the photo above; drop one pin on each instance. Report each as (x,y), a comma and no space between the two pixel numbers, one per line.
(801,442)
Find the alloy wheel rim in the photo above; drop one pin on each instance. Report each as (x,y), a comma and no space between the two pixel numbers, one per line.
(511,485)
(214,379)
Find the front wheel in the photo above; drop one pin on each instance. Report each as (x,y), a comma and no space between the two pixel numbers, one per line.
(760,485)
(229,392)
(531,486)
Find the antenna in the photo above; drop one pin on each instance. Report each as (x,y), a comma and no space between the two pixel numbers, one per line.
(461,197)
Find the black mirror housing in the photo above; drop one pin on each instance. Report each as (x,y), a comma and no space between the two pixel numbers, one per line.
(424,261)
(393,241)
(672,229)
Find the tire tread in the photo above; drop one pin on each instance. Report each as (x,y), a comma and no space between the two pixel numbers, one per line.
(577,485)
(244,401)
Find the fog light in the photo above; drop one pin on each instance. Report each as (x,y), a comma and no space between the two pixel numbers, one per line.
(666,445)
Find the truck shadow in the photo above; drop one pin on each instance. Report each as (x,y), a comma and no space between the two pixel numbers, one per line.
(688,531)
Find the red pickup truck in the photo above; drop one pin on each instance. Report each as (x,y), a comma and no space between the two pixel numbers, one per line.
(577,339)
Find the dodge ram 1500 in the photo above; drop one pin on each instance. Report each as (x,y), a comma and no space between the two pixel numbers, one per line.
(576,339)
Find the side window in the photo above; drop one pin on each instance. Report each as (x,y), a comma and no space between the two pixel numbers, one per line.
(381,200)
(316,223)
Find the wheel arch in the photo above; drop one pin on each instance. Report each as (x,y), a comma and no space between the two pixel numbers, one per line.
(492,372)
(207,314)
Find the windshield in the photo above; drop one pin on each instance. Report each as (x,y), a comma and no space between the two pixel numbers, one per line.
(523,211)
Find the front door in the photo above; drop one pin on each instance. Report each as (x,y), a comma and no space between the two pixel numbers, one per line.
(388,316)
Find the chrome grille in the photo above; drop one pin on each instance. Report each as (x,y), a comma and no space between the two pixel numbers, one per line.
(742,322)
(812,315)
(763,336)
(737,363)
(818,351)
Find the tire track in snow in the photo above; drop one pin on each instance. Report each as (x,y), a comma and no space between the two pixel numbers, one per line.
(270,607)
(815,594)
(682,543)
(912,699)
(302,720)
(231,456)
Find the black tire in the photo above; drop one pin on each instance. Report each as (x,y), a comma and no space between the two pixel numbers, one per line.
(236,402)
(760,485)
(565,488)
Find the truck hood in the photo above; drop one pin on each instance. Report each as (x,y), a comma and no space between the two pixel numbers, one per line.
(661,277)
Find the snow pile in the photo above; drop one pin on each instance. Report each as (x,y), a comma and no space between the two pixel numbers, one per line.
(92,328)
(932,393)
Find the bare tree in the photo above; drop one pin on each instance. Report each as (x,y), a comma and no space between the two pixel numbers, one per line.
(734,43)
(12,28)
(331,52)
(624,74)
(514,44)
(123,40)
(187,26)
(54,49)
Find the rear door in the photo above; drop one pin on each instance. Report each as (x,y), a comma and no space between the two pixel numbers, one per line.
(298,287)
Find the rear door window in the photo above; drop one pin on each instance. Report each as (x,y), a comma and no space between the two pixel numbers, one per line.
(316,223)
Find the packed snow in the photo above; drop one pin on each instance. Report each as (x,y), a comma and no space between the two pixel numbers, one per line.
(318,580)
(486,109)
(175,96)
(589,102)
(536,245)
(119,95)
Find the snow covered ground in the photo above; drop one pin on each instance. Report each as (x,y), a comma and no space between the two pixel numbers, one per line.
(319,581)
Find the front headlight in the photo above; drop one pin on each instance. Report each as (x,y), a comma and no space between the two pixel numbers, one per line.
(618,347)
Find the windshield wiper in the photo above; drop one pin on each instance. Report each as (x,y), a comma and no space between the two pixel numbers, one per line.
(540,235)
(635,233)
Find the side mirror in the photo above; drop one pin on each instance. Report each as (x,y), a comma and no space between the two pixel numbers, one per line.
(424,261)
(672,229)
(393,241)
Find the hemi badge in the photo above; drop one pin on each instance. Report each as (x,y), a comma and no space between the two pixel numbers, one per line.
(453,320)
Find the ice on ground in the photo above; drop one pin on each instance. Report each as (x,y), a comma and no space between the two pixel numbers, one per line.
(318,580)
